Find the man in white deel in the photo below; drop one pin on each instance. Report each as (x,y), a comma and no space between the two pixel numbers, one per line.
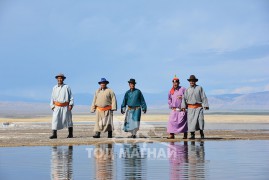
(61,103)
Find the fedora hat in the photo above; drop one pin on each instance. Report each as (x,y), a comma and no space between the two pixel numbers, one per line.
(60,75)
(192,78)
(103,80)
(132,81)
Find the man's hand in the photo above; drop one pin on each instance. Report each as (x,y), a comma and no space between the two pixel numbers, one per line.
(206,108)
(183,109)
(145,111)
(93,109)
(70,108)
(122,112)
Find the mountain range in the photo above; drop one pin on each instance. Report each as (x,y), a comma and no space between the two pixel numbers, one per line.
(157,103)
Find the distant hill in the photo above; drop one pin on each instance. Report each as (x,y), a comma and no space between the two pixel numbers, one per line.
(252,101)
(157,103)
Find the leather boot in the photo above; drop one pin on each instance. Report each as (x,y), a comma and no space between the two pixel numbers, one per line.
(70,131)
(185,135)
(202,134)
(133,136)
(109,134)
(192,135)
(172,136)
(97,135)
(54,134)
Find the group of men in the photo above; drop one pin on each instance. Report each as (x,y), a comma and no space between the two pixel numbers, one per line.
(180,99)
(105,102)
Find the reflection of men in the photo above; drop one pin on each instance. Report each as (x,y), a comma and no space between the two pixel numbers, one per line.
(178,157)
(62,162)
(196,161)
(104,161)
(135,101)
(62,103)
(134,161)
(178,119)
(105,103)
(195,99)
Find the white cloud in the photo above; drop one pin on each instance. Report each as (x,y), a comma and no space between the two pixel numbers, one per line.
(266,88)
(256,80)
(245,90)
(240,90)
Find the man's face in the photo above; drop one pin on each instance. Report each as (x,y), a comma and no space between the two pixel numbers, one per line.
(192,83)
(60,80)
(175,84)
(132,86)
(103,85)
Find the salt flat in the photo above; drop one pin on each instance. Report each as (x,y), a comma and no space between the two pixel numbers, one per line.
(35,131)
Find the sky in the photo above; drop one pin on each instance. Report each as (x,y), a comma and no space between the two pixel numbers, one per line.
(224,43)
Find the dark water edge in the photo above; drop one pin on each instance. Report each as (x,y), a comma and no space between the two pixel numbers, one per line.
(189,160)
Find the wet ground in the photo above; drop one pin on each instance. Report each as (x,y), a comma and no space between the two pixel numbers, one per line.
(240,159)
(36,134)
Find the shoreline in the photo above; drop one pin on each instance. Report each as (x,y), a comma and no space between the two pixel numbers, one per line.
(20,134)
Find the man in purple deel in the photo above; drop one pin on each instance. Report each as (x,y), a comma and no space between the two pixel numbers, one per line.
(177,122)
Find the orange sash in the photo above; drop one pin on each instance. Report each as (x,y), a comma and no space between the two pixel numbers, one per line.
(194,106)
(104,108)
(135,108)
(60,104)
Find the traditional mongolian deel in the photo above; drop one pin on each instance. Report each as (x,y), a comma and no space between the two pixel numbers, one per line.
(105,103)
(61,98)
(134,100)
(178,119)
(194,100)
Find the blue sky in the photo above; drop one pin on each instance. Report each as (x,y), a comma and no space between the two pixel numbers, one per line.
(224,43)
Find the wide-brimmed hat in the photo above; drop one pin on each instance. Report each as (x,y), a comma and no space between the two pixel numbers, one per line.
(192,78)
(132,81)
(103,80)
(60,75)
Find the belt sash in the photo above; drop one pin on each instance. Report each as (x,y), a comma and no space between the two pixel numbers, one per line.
(134,108)
(194,106)
(104,108)
(60,104)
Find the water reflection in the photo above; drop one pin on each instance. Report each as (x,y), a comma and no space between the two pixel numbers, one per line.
(242,159)
(122,161)
(187,161)
(62,162)
(180,160)
(134,162)
(104,157)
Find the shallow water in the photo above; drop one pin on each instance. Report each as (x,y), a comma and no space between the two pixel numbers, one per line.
(207,160)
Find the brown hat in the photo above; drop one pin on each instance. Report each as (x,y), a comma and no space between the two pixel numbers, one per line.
(60,75)
(132,81)
(192,78)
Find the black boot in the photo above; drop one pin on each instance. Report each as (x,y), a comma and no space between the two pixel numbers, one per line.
(54,134)
(97,135)
(134,136)
(172,136)
(70,131)
(109,134)
(202,134)
(192,135)
(185,135)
